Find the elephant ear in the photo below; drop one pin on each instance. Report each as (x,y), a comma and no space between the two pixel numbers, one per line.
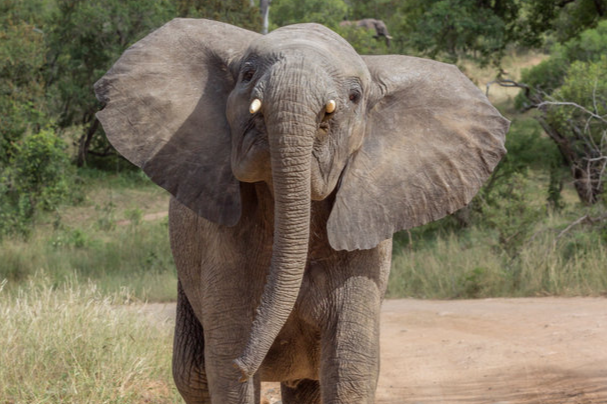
(166,112)
(431,140)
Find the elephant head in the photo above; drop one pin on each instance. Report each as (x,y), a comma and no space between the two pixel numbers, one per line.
(399,141)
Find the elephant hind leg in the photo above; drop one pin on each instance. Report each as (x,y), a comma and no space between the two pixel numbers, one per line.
(305,392)
(188,354)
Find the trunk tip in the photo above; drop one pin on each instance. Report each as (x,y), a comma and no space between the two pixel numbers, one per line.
(244,372)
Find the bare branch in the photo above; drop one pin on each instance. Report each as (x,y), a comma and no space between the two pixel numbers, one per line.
(584,219)
(571,226)
(543,104)
(508,83)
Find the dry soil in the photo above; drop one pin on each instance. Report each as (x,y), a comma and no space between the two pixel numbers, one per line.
(492,351)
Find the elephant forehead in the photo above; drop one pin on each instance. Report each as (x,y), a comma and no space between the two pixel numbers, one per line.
(315,42)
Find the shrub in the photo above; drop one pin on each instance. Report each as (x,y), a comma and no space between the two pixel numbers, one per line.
(38,178)
(570,89)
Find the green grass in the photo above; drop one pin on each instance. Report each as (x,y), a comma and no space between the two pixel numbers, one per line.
(75,344)
(105,239)
(93,242)
(471,263)
(136,256)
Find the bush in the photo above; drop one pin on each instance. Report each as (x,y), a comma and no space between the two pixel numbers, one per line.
(363,40)
(327,12)
(22,101)
(570,89)
(549,75)
(38,178)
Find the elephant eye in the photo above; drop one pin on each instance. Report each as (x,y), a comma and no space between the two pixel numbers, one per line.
(247,75)
(354,96)
(248,71)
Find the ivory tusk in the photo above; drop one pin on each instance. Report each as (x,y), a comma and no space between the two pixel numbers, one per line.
(330,106)
(255,106)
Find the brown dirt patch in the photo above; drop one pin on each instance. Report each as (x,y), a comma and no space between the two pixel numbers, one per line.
(494,351)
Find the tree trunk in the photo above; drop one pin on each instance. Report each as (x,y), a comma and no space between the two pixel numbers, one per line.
(85,143)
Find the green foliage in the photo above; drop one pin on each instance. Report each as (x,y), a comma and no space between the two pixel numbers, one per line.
(564,19)
(549,75)
(22,87)
(527,149)
(585,85)
(138,256)
(571,89)
(38,177)
(511,213)
(378,9)
(84,39)
(363,41)
(235,12)
(326,12)
(446,29)
(506,202)
(471,263)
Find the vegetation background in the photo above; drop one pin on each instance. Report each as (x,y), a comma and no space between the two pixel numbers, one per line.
(82,231)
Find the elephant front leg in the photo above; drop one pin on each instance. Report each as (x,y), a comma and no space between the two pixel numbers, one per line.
(227,324)
(225,380)
(188,354)
(350,345)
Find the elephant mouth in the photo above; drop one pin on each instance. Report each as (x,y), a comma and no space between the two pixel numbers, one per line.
(253,138)
(252,158)
(251,162)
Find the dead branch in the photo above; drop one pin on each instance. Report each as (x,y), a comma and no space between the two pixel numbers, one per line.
(508,83)
(543,104)
(584,219)
(571,226)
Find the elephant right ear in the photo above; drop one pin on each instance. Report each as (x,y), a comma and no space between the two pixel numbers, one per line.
(432,139)
(166,112)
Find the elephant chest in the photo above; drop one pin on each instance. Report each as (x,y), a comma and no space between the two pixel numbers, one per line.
(223,272)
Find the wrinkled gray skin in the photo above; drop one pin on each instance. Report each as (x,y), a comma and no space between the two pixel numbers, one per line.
(380,28)
(281,220)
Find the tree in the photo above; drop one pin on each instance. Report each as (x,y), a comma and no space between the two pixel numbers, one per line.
(565,19)
(448,29)
(579,125)
(84,41)
(23,106)
(570,90)
(326,12)
(242,13)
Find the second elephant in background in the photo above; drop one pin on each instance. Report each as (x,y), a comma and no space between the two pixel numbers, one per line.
(380,28)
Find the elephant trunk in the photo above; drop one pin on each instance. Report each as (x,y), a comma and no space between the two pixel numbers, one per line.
(291,131)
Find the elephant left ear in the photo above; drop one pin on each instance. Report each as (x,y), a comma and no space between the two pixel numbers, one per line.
(432,139)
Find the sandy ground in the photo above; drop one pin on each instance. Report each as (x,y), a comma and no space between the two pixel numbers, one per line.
(492,351)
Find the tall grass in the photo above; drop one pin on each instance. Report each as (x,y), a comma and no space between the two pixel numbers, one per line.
(74,344)
(472,264)
(136,255)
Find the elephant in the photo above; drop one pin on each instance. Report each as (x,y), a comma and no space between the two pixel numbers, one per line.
(378,26)
(291,161)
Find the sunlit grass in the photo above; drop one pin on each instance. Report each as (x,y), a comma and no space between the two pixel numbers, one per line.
(135,255)
(471,264)
(74,344)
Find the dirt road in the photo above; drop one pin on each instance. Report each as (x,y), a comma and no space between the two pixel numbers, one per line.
(492,351)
